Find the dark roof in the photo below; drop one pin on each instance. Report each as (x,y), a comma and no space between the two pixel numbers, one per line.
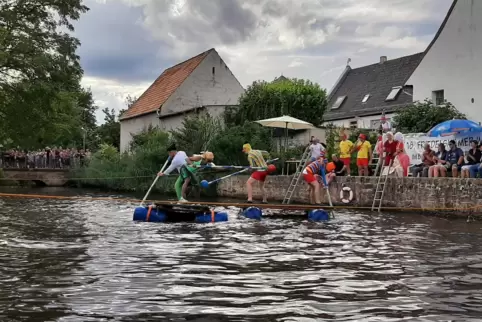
(377,80)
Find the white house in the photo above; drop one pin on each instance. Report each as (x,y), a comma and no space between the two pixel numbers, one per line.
(362,95)
(450,69)
(201,83)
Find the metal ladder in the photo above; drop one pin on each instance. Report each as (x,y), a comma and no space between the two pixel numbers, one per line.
(296,177)
(381,184)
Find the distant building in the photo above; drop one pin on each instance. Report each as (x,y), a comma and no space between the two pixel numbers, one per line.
(448,70)
(362,95)
(451,68)
(203,83)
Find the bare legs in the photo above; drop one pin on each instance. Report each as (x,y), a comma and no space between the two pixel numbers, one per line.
(249,189)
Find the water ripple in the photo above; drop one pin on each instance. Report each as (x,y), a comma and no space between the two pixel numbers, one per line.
(87,261)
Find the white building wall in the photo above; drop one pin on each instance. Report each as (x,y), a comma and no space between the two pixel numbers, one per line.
(453,63)
(174,122)
(364,122)
(133,126)
(203,87)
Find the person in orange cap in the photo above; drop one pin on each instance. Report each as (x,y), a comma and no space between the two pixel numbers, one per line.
(364,154)
(256,159)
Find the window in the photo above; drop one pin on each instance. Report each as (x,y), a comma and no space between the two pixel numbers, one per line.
(393,93)
(338,102)
(438,97)
(353,124)
(214,70)
(365,99)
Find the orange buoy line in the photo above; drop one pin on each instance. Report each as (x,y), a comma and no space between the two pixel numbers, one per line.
(233,204)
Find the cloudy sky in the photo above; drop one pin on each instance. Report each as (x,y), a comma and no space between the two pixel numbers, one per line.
(126,44)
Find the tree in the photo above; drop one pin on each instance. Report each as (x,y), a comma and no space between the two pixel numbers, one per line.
(197,133)
(422,116)
(32,45)
(294,97)
(41,99)
(109,132)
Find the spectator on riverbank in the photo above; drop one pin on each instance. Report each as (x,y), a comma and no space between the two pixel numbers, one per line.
(472,158)
(55,158)
(427,161)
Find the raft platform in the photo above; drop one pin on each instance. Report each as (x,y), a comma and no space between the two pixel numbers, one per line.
(203,211)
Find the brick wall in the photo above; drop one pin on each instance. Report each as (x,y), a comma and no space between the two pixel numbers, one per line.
(428,194)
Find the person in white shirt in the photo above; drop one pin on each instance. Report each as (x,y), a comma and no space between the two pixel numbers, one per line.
(317,150)
(180,162)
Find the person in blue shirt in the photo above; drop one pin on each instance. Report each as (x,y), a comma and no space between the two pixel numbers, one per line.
(454,159)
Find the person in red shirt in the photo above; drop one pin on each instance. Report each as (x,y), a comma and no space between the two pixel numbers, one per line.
(390,148)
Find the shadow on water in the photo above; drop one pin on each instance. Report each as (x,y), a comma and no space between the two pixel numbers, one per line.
(64,260)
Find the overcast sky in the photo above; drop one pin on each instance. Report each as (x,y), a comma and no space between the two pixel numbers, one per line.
(126,44)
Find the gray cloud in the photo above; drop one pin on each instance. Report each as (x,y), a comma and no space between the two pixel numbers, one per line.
(115,45)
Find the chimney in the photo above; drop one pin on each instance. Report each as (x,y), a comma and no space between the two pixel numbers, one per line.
(383,59)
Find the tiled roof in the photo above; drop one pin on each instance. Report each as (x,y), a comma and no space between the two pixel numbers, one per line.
(377,80)
(164,86)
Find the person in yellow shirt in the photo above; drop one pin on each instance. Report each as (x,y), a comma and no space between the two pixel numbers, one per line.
(256,159)
(364,155)
(346,147)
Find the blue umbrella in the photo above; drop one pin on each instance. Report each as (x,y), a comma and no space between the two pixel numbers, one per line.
(453,127)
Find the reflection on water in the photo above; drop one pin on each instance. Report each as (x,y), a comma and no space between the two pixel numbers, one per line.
(87,261)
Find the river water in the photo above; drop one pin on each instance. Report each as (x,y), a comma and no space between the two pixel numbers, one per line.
(64,260)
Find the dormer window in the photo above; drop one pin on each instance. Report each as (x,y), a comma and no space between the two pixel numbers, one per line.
(339,101)
(393,93)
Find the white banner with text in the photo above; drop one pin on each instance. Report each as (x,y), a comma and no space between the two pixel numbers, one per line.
(414,144)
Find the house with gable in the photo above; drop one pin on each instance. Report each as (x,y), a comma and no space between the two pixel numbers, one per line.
(201,84)
(361,95)
(450,69)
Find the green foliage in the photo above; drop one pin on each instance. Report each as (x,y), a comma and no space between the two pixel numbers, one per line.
(128,172)
(197,134)
(149,153)
(109,131)
(294,97)
(41,100)
(422,116)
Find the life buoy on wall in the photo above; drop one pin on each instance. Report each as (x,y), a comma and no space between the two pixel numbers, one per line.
(342,195)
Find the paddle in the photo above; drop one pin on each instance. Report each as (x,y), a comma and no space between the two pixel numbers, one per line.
(155,180)
(205,183)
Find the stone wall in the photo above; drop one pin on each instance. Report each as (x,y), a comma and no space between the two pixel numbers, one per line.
(50,177)
(438,195)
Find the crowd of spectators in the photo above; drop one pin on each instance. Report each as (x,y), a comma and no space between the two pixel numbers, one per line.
(50,158)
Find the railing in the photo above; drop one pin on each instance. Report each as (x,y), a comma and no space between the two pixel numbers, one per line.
(42,162)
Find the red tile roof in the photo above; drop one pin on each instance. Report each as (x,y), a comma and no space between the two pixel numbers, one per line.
(164,86)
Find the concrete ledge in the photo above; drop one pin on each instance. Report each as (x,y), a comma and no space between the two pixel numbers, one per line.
(436,195)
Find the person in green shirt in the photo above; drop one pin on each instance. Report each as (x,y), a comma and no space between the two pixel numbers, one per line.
(188,174)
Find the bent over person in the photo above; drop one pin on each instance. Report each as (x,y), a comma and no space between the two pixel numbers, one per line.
(256,159)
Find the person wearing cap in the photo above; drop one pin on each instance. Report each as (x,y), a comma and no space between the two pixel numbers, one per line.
(346,147)
(364,155)
(256,159)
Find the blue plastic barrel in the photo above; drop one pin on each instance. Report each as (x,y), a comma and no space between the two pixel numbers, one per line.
(318,215)
(140,214)
(207,217)
(253,213)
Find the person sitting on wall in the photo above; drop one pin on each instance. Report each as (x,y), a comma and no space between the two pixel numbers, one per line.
(454,159)
(473,160)
(427,161)
(439,160)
